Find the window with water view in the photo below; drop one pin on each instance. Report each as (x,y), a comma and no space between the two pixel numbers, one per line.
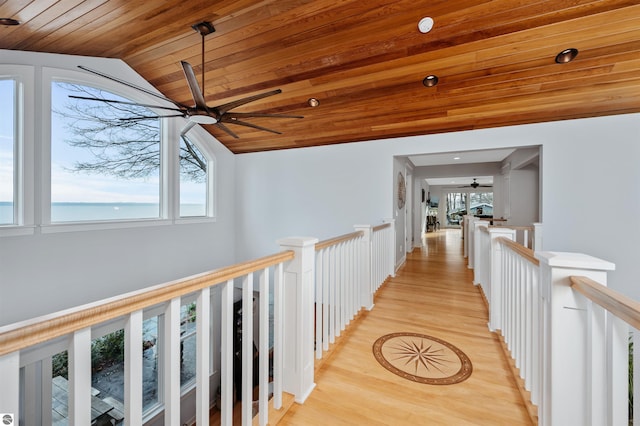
(105,158)
(7,149)
(193,179)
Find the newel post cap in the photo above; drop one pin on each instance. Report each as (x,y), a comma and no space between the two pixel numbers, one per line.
(297,241)
(573,261)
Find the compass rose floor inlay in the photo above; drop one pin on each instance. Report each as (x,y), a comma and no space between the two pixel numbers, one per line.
(422,359)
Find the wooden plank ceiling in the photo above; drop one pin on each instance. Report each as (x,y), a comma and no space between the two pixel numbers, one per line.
(363,60)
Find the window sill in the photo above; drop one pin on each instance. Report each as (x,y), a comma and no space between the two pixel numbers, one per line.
(194,219)
(98,226)
(15,230)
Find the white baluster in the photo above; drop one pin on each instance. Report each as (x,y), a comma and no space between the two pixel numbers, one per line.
(171,354)
(333,312)
(203,355)
(319,302)
(80,378)
(263,350)
(226,354)
(617,367)
(278,332)
(325,299)
(535,338)
(247,349)
(133,369)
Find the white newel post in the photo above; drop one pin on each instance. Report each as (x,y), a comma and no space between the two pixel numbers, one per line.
(298,339)
(572,341)
(391,244)
(537,237)
(470,234)
(477,248)
(366,283)
(465,237)
(497,283)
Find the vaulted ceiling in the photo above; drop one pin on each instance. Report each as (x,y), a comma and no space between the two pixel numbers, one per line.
(363,60)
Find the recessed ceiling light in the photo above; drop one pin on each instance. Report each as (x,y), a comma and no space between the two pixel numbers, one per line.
(567,55)
(425,25)
(456,158)
(313,102)
(430,80)
(9,21)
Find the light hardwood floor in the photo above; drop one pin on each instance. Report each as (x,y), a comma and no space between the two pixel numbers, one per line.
(432,294)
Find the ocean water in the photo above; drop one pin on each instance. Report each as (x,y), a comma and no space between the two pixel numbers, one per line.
(74,212)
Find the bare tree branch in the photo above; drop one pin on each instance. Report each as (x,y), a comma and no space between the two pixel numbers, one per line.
(121,148)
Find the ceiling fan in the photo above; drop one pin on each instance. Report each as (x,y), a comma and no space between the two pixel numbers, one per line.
(475,185)
(200,113)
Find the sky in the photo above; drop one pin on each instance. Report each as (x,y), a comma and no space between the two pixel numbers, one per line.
(69,186)
(6,142)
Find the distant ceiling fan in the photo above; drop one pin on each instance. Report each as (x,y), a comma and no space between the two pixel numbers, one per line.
(475,185)
(200,113)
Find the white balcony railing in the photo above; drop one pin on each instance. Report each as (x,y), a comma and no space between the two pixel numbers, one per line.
(566,331)
(285,285)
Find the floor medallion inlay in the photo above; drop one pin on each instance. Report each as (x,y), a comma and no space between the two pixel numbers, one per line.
(422,359)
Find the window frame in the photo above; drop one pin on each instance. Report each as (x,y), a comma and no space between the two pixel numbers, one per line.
(32,159)
(209,215)
(51,75)
(23,149)
(169,167)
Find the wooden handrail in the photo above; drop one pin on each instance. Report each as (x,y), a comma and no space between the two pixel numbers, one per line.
(380,227)
(24,334)
(527,253)
(618,304)
(337,240)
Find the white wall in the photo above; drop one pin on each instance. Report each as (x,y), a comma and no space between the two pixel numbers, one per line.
(323,191)
(319,192)
(523,197)
(47,272)
(591,194)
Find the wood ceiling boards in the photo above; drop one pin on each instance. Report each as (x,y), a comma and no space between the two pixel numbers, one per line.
(364,61)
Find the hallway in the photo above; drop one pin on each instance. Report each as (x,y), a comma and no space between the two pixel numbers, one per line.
(433,295)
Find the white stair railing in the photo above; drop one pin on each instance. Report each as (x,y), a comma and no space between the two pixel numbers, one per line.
(566,331)
(349,269)
(516,312)
(21,343)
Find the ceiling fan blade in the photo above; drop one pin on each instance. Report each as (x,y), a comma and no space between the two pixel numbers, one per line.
(231,105)
(113,101)
(256,114)
(149,117)
(226,129)
(133,86)
(192,81)
(254,126)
